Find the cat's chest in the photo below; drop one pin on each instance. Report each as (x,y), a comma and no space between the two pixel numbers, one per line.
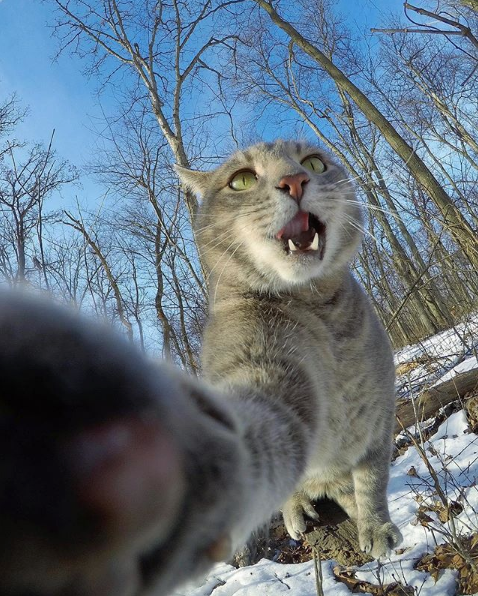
(332,342)
(334,349)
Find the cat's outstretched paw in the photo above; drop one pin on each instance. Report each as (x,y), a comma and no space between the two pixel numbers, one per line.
(377,540)
(118,475)
(294,510)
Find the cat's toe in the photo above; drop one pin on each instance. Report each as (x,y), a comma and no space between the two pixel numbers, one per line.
(377,540)
(294,523)
(294,510)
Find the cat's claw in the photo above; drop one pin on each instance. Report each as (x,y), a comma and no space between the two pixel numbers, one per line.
(294,510)
(378,540)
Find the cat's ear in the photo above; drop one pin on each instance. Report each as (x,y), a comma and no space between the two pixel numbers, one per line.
(194,180)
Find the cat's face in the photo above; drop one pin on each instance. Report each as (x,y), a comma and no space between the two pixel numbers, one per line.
(282,213)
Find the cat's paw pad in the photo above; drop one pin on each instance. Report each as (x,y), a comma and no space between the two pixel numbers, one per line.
(294,510)
(377,540)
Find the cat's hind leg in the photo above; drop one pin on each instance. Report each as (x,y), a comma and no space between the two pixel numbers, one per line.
(378,535)
(343,493)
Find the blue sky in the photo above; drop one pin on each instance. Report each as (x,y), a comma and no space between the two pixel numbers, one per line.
(56,93)
(59,96)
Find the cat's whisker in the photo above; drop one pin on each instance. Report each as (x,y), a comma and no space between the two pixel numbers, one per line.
(344,181)
(222,255)
(246,212)
(217,262)
(345,225)
(215,246)
(215,241)
(366,205)
(366,179)
(354,224)
(225,233)
(211,225)
(214,217)
(350,179)
(220,238)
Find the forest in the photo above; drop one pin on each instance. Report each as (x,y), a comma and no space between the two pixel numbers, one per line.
(192,81)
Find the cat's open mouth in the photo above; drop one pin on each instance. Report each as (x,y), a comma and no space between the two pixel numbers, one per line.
(304,233)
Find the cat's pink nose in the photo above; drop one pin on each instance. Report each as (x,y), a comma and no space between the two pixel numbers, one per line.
(294,185)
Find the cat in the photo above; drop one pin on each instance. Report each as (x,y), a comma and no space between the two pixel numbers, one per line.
(291,330)
(125,477)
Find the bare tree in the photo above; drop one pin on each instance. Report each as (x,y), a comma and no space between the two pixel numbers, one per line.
(163,47)
(79,226)
(442,18)
(28,178)
(162,53)
(151,229)
(10,115)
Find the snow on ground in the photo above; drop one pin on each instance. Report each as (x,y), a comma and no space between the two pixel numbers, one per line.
(452,452)
(265,578)
(468,364)
(426,362)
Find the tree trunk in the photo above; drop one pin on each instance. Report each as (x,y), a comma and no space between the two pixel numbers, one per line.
(430,401)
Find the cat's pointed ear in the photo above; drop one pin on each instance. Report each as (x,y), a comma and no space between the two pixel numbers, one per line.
(194,180)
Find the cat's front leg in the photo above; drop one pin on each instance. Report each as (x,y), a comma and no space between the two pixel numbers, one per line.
(294,510)
(378,535)
(341,490)
(118,476)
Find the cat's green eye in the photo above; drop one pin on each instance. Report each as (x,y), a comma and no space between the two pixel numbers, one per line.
(314,164)
(243,180)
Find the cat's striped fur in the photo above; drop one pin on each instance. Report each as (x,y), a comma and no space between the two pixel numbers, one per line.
(295,340)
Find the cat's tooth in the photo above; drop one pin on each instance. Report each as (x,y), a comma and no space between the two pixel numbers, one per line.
(292,246)
(315,242)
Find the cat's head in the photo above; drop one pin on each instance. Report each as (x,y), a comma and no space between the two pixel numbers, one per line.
(276,215)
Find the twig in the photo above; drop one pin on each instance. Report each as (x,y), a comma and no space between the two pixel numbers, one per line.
(318,572)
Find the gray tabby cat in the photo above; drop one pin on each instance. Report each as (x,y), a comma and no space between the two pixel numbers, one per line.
(294,338)
(122,477)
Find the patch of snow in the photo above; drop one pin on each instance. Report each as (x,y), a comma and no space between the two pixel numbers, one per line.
(266,578)
(431,360)
(467,364)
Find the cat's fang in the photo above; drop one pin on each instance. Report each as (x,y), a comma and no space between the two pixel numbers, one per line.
(315,242)
(292,246)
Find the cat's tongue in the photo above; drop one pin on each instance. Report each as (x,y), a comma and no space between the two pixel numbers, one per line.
(298,224)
